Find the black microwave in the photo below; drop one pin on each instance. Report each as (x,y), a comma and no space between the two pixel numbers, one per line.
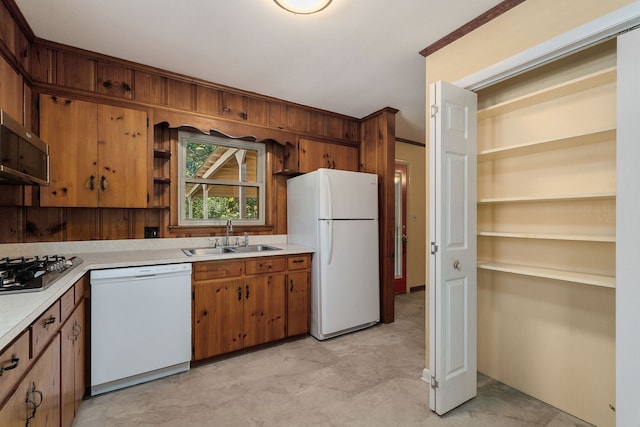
(24,158)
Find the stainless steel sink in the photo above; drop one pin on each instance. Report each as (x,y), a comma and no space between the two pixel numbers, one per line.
(206,251)
(229,249)
(254,248)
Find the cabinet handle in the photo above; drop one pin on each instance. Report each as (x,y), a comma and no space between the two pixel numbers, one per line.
(35,401)
(15,361)
(239,293)
(49,321)
(77,329)
(92,185)
(247,289)
(103,183)
(291,289)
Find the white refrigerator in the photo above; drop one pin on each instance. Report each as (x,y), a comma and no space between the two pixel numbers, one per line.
(336,212)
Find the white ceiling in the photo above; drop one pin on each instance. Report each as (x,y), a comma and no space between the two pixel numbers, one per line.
(355,57)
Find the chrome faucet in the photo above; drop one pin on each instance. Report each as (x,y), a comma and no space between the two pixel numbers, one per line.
(229,230)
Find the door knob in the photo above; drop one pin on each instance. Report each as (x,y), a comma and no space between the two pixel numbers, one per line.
(456,265)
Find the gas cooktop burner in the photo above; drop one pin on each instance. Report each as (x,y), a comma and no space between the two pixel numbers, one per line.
(27,274)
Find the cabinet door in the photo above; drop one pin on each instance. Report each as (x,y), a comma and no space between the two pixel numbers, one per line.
(36,401)
(79,357)
(69,127)
(312,155)
(10,91)
(298,303)
(217,317)
(264,312)
(72,366)
(123,157)
(344,157)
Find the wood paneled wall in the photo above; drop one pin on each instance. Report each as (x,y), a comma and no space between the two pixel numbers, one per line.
(377,154)
(29,66)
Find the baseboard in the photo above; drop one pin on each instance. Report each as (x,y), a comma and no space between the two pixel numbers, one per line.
(426,376)
(417,288)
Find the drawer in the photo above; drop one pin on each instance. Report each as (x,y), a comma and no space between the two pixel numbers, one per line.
(298,262)
(217,269)
(67,302)
(264,265)
(43,329)
(14,361)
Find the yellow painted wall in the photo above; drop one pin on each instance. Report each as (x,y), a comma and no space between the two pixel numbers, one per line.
(585,315)
(414,157)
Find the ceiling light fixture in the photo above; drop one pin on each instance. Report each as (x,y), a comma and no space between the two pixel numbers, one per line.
(303,7)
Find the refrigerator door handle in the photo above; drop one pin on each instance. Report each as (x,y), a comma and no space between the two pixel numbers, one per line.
(330,243)
(329,196)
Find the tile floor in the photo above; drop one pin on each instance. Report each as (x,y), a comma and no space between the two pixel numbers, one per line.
(368,378)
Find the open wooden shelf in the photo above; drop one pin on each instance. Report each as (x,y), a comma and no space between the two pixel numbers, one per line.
(162,154)
(561,197)
(590,81)
(534,147)
(542,236)
(547,273)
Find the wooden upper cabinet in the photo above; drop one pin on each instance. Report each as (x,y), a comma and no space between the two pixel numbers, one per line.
(122,157)
(313,155)
(98,154)
(10,90)
(344,157)
(70,128)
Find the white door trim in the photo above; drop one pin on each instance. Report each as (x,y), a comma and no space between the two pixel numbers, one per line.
(602,28)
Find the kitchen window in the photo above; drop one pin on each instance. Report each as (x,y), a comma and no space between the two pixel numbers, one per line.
(220,179)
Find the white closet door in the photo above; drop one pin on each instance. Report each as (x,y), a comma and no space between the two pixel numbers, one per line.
(628,232)
(453,284)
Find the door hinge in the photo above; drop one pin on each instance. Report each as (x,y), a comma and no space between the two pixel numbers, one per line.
(434,382)
(434,248)
(434,110)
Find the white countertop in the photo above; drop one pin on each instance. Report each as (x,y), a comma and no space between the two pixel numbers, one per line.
(18,311)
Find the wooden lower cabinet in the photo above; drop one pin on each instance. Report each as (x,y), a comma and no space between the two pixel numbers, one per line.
(217,317)
(36,401)
(298,289)
(264,309)
(72,348)
(298,302)
(45,389)
(239,304)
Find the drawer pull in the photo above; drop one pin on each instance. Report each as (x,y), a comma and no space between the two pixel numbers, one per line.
(298,261)
(15,361)
(49,321)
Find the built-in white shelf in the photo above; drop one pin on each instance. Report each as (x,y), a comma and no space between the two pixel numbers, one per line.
(562,197)
(534,147)
(542,236)
(547,273)
(579,84)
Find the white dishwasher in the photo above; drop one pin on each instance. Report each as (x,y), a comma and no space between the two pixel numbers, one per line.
(140,324)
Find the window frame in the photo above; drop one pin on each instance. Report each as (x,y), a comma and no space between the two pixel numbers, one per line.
(183,138)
